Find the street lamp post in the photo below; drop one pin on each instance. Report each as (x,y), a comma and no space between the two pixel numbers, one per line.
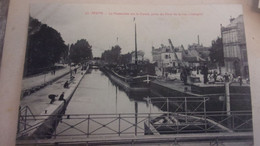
(70,61)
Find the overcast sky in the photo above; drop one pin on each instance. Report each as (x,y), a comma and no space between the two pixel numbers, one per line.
(76,21)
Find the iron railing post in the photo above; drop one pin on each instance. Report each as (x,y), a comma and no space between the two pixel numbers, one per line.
(149,120)
(205,114)
(25,118)
(136,117)
(150,104)
(119,122)
(185,103)
(55,128)
(233,122)
(177,124)
(88,126)
(135,124)
(167,100)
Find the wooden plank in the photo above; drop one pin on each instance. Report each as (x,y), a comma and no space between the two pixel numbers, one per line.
(210,121)
(152,128)
(175,120)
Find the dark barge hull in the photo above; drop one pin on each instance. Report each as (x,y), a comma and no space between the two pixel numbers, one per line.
(124,85)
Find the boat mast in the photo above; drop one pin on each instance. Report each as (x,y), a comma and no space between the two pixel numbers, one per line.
(135,45)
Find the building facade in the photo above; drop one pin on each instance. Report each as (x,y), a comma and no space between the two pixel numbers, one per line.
(165,57)
(140,57)
(234,47)
(197,55)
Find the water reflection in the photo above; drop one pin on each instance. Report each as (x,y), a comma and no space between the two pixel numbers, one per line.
(96,94)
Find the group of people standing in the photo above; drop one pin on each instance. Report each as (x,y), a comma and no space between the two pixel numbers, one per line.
(209,76)
(186,71)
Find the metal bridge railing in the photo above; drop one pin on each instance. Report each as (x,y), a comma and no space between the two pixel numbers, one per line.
(179,104)
(135,124)
(24,114)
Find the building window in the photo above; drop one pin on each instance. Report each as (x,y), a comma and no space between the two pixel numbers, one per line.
(244,55)
(230,36)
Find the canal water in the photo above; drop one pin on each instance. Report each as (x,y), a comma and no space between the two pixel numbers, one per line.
(102,101)
(96,94)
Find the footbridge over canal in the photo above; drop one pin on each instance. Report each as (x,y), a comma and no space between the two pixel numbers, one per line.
(180,127)
(112,129)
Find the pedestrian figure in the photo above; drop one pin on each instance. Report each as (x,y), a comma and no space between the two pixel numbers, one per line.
(75,70)
(198,71)
(220,78)
(185,78)
(231,77)
(52,97)
(205,74)
(181,76)
(66,85)
(215,76)
(62,97)
(226,77)
(240,80)
(184,75)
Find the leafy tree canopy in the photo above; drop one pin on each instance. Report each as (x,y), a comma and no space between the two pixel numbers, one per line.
(44,48)
(112,56)
(216,52)
(80,51)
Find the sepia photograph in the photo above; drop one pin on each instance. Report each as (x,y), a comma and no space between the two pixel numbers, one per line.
(135,75)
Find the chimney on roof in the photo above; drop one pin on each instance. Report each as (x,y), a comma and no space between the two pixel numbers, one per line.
(198,40)
(231,19)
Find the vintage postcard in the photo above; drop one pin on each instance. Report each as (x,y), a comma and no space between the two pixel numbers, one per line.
(124,74)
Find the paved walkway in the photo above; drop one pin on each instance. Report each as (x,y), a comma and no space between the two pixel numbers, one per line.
(39,100)
(38,80)
(39,104)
